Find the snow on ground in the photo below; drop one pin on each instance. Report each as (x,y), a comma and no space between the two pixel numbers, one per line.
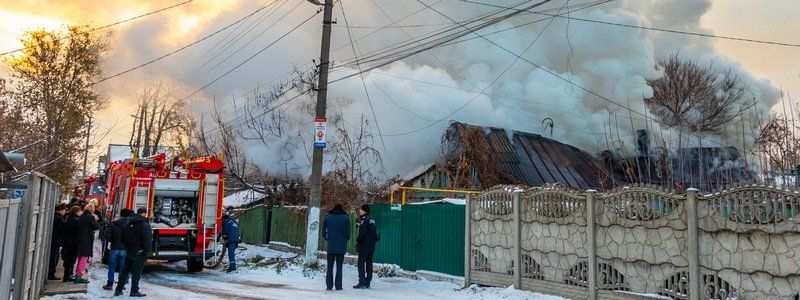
(289,280)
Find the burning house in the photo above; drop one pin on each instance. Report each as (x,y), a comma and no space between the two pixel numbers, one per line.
(704,168)
(475,158)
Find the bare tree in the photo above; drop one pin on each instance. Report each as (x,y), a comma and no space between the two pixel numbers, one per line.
(51,85)
(695,97)
(161,119)
(776,142)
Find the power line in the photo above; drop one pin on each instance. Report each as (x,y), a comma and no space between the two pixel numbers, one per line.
(416,46)
(251,57)
(363,82)
(675,31)
(530,45)
(235,32)
(254,38)
(570,81)
(112,24)
(176,50)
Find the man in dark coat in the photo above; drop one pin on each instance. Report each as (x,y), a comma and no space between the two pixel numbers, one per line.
(230,233)
(57,239)
(336,231)
(365,246)
(138,240)
(87,225)
(116,255)
(70,242)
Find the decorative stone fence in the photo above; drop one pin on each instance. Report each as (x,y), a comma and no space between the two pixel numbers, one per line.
(638,242)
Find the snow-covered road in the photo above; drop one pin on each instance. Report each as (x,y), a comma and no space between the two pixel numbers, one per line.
(290,281)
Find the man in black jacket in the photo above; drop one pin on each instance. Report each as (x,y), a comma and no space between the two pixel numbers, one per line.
(116,255)
(138,240)
(365,246)
(57,239)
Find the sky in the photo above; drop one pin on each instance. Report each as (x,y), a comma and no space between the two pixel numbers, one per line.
(613,61)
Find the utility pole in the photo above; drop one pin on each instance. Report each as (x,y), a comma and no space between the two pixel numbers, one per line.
(86,148)
(312,229)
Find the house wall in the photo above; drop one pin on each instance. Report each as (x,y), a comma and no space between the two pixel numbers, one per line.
(741,243)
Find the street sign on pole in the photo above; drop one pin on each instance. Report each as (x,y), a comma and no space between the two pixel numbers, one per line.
(320,130)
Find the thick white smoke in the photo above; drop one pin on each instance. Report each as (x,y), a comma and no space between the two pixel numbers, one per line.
(612,61)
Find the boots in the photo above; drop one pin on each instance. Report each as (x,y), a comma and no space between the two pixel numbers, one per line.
(137,294)
(108,286)
(79,279)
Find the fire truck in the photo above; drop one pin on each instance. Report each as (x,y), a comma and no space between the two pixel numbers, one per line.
(183,199)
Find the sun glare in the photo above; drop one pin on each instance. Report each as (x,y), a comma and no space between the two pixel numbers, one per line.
(14,25)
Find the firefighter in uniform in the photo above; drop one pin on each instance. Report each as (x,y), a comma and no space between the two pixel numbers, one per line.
(365,246)
(138,240)
(230,234)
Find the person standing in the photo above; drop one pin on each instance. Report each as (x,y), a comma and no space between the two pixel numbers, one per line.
(336,231)
(87,225)
(70,242)
(57,239)
(138,240)
(365,246)
(230,233)
(116,256)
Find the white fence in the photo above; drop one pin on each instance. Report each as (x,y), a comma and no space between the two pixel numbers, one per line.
(26,225)
(638,242)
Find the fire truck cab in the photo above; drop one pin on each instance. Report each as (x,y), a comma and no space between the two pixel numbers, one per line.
(183,199)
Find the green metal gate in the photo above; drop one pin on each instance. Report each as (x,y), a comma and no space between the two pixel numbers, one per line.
(421,237)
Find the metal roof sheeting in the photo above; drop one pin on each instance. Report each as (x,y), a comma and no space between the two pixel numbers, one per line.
(536,160)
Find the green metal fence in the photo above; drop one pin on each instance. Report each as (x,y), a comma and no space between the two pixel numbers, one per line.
(254,224)
(415,237)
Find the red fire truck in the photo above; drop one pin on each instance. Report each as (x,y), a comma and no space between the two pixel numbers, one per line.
(183,198)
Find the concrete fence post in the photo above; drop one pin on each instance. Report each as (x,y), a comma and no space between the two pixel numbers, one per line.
(694,244)
(517,240)
(591,236)
(467,241)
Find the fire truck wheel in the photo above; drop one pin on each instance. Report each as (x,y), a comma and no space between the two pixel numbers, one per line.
(194,265)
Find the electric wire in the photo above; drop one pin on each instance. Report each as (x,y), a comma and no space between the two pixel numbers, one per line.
(363,82)
(206,37)
(705,35)
(113,24)
(251,40)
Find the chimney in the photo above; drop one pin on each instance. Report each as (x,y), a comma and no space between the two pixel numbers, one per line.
(643,142)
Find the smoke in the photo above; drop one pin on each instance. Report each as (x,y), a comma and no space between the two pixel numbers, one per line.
(614,62)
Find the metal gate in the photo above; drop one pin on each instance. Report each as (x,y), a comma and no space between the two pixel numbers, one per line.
(421,237)
(26,230)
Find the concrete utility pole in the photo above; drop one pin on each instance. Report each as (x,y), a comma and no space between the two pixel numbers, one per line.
(86,149)
(312,229)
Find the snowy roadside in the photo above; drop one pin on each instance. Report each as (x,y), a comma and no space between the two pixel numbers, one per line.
(268,274)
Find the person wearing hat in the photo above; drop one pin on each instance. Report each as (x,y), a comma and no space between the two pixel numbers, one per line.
(138,240)
(365,246)
(230,233)
(57,239)
(336,230)
(116,255)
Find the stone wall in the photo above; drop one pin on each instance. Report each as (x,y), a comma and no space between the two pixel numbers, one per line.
(742,243)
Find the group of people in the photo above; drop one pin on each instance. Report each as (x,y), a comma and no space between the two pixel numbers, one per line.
(337,232)
(130,238)
(74,225)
